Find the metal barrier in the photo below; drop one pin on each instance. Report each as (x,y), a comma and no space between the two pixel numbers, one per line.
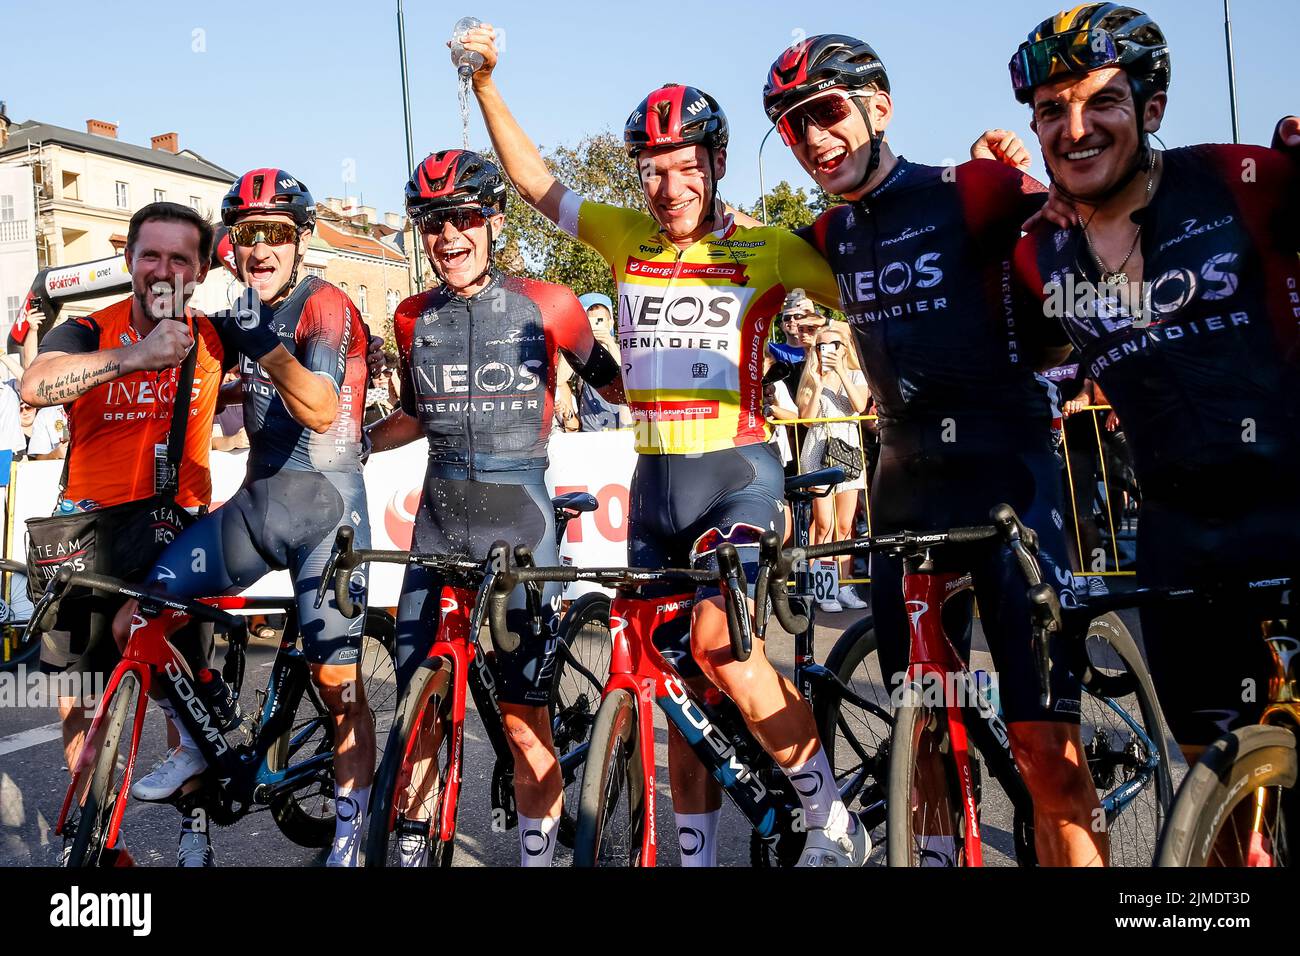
(1114,532)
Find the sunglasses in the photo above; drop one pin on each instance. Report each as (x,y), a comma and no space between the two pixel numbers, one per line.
(821,111)
(1080,52)
(271,233)
(464,219)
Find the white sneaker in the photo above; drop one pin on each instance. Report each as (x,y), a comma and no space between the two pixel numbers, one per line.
(849,849)
(1097,587)
(170,775)
(849,598)
(830,606)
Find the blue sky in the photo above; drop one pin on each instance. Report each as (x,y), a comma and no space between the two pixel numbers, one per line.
(315,87)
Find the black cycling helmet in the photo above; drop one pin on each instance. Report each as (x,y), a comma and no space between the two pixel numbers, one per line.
(456,179)
(1093,37)
(269,190)
(1090,38)
(675,115)
(451,178)
(825,62)
(828,61)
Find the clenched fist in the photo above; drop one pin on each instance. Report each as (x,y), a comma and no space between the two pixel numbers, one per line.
(165,347)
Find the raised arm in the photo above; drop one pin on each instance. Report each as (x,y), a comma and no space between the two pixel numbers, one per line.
(519,155)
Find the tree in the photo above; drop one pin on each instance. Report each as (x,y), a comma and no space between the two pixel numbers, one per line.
(597,169)
(792,208)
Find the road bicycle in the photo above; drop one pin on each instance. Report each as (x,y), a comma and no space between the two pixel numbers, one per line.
(947,733)
(617,802)
(416,796)
(1238,805)
(282,760)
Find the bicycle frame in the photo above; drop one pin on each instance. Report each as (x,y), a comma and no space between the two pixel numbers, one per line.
(638,667)
(243,772)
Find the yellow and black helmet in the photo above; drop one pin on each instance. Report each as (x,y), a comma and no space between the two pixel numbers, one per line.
(1090,37)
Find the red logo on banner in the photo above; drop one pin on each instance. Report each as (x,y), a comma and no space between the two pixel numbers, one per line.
(399,517)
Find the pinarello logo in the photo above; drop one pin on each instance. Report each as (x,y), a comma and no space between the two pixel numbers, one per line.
(449,605)
(916,610)
(399,517)
(616,627)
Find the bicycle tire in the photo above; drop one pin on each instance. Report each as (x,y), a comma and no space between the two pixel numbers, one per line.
(1116,754)
(429,686)
(611,778)
(574,699)
(96,810)
(921,732)
(851,736)
(1256,760)
(17,646)
(856,741)
(306,816)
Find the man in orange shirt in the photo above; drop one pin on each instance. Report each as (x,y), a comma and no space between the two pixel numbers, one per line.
(116,371)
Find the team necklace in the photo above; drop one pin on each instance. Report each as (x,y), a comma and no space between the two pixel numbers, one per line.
(1118,277)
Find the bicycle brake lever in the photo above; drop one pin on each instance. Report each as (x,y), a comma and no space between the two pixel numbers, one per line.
(1046,609)
(738,623)
(342,545)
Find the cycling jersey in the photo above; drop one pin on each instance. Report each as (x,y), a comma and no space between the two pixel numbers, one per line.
(479,373)
(1207,389)
(692,323)
(923,264)
(1208,384)
(115,428)
(318,324)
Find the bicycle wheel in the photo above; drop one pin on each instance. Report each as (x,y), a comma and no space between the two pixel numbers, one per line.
(411,783)
(1124,741)
(611,802)
(855,738)
(580,675)
(306,816)
(88,843)
(925,824)
(1238,806)
(17,645)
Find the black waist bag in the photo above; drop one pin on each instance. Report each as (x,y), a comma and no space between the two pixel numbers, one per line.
(121,540)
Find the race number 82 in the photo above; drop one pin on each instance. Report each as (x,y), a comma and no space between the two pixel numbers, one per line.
(825,580)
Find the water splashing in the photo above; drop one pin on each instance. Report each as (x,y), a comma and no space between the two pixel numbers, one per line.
(465,75)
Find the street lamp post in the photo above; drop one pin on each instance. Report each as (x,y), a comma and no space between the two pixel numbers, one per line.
(762,188)
(1232,72)
(410,144)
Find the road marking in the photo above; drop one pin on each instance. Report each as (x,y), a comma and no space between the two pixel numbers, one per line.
(30,738)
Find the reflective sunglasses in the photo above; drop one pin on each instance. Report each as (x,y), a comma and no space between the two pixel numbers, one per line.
(1043,60)
(271,233)
(821,111)
(464,218)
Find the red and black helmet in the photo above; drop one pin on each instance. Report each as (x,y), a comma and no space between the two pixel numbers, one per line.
(675,115)
(823,62)
(269,190)
(454,177)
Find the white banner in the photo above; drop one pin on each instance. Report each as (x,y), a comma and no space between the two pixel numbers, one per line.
(599,463)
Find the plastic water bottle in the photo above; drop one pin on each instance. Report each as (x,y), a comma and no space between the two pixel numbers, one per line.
(219,697)
(66,507)
(467,61)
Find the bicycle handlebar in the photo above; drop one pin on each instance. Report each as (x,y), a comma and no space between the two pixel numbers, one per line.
(46,612)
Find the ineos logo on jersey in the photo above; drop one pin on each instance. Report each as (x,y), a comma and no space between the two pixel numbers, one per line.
(491,377)
(700,307)
(893,278)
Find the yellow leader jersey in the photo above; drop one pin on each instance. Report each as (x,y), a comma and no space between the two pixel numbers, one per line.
(692,324)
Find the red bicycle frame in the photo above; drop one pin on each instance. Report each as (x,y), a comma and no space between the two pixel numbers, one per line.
(147,651)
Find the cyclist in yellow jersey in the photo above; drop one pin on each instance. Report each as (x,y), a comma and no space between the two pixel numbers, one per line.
(696,297)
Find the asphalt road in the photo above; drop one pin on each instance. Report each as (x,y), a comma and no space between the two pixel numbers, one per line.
(33,782)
